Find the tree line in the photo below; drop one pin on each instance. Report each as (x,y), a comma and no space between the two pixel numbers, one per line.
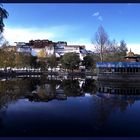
(69,61)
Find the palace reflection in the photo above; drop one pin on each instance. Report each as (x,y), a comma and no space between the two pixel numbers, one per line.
(38,89)
(44,90)
(61,89)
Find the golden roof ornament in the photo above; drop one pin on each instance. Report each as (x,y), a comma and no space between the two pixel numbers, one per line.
(130,54)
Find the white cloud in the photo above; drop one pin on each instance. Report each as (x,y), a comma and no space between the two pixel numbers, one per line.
(53,33)
(82,41)
(89,46)
(25,34)
(134,47)
(96,14)
(100,18)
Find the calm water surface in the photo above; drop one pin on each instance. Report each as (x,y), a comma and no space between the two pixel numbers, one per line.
(40,107)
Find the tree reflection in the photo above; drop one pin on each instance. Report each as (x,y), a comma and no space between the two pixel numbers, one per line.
(106,106)
(46,91)
(12,90)
(110,99)
(71,88)
(89,86)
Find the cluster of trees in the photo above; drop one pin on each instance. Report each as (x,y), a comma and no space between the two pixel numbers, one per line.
(106,49)
(70,61)
(3,15)
(15,59)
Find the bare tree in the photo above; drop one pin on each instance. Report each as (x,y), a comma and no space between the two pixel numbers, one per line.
(116,52)
(101,40)
(123,47)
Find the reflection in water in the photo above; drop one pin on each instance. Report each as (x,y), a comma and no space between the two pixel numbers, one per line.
(127,88)
(114,97)
(37,89)
(120,94)
(92,115)
(89,86)
(11,90)
(71,88)
(61,89)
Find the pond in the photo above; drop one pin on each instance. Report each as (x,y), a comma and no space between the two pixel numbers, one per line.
(42,107)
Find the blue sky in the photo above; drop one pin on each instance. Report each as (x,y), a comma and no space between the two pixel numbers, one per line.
(74,23)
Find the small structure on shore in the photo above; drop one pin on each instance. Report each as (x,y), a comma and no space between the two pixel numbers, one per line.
(120,71)
(131,57)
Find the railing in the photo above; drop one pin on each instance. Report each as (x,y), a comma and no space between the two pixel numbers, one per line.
(119,77)
(119,73)
(14,73)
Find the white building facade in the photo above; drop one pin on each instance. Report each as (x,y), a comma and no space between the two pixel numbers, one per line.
(23,47)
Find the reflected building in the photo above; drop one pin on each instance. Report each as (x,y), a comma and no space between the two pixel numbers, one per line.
(129,88)
(47,91)
(61,90)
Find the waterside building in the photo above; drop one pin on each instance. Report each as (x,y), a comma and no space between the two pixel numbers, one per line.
(44,48)
(120,71)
